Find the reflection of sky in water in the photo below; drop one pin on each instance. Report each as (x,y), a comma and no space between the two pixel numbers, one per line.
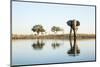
(23,52)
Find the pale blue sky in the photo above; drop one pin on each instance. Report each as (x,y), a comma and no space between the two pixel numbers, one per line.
(25,15)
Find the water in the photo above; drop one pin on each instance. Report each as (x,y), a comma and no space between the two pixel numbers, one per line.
(51,51)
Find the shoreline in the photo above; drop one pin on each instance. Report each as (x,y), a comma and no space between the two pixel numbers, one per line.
(53,36)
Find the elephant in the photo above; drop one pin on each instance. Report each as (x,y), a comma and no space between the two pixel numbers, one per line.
(73,26)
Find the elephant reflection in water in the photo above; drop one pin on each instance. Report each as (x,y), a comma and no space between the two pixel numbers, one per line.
(74,24)
(39,45)
(74,49)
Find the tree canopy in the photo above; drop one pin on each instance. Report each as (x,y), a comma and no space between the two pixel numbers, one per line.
(56,29)
(38,28)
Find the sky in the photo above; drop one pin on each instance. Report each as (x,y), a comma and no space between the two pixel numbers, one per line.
(25,15)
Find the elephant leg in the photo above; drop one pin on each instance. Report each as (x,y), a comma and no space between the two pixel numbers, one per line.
(70,37)
(70,33)
(75,52)
(74,34)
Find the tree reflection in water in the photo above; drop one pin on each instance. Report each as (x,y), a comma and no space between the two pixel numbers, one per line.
(38,45)
(74,50)
(55,45)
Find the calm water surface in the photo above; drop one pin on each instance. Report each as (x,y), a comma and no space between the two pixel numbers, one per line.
(51,51)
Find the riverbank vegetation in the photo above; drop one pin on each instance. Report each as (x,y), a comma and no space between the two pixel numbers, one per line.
(40,33)
(53,36)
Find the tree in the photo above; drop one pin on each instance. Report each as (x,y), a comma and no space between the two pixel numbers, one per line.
(38,28)
(39,45)
(62,31)
(56,29)
(42,30)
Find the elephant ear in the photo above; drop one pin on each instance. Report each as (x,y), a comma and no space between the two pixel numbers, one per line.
(69,23)
(78,23)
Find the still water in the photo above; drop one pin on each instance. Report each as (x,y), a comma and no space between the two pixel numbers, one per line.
(51,51)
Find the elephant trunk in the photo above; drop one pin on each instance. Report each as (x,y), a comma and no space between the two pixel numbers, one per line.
(74,28)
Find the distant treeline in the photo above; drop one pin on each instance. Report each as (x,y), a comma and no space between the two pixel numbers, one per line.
(52,36)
